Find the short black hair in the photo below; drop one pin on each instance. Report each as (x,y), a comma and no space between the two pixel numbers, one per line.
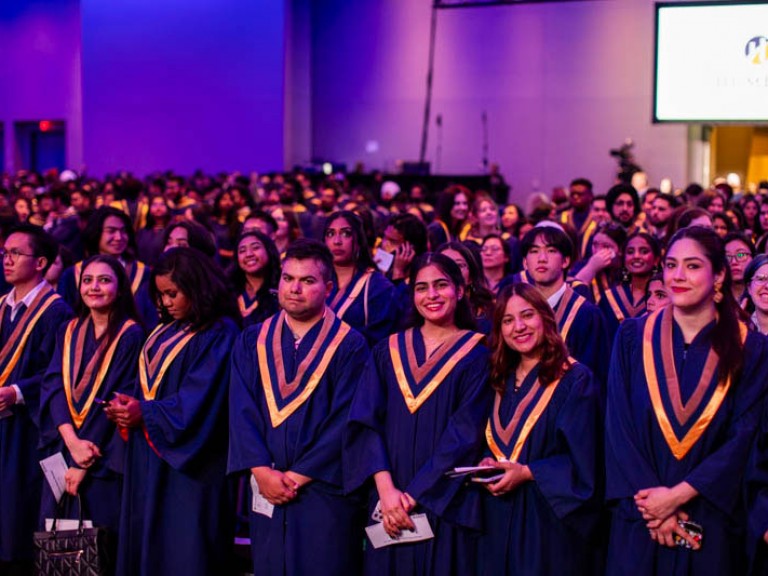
(413,230)
(552,236)
(43,244)
(264,217)
(95,227)
(581,182)
(198,236)
(308,249)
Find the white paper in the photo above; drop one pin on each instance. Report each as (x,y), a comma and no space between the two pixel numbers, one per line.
(383,259)
(54,468)
(259,504)
(468,470)
(66,524)
(379,538)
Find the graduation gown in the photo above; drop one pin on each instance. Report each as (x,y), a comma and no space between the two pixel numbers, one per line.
(659,434)
(757,499)
(616,306)
(582,327)
(547,525)
(176,511)
(576,285)
(20,475)
(68,398)
(257,309)
(366,304)
(298,428)
(418,427)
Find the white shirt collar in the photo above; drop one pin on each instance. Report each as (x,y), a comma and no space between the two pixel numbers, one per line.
(554,300)
(27,300)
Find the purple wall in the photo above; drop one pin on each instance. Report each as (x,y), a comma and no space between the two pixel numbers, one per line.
(183,85)
(40,70)
(561,85)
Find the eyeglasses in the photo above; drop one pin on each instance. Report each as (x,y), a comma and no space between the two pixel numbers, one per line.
(761,280)
(13,254)
(491,249)
(737,257)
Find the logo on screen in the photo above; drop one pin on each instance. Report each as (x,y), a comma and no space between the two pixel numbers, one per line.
(756,50)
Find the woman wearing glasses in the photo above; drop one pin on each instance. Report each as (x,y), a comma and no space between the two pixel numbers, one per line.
(361,295)
(756,281)
(496,255)
(739,251)
(685,392)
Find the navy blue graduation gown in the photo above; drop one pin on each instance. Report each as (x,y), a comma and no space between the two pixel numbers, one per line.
(548,525)
(638,455)
(20,475)
(101,489)
(757,499)
(418,449)
(318,532)
(585,335)
(177,515)
(377,319)
(256,310)
(616,305)
(523,276)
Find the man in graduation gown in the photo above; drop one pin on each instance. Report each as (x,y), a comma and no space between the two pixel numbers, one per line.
(293,378)
(30,316)
(546,257)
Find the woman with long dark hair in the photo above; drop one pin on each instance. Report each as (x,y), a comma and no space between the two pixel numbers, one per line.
(255,277)
(418,412)
(684,396)
(543,434)
(150,238)
(361,295)
(602,267)
(96,357)
(176,509)
(480,298)
(452,221)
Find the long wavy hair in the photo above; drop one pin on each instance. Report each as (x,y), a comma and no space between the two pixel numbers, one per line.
(552,349)
(271,270)
(479,296)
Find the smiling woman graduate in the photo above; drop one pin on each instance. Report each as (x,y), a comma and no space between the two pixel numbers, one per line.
(418,412)
(684,394)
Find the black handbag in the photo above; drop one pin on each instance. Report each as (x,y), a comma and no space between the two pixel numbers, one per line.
(81,552)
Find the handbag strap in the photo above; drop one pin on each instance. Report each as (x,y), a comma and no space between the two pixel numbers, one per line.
(60,508)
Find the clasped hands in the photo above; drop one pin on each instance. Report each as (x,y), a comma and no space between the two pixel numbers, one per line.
(661,509)
(279,487)
(124,410)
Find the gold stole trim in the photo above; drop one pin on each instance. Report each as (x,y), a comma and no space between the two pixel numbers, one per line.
(138,277)
(680,448)
(530,422)
(524,277)
(246,310)
(278,415)
(599,287)
(356,289)
(78,417)
(178,341)
(568,295)
(18,338)
(444,226)
(464,232)
(587,234)
(617,311)
(414,403)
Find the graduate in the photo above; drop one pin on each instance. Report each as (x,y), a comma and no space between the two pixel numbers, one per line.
(547,255)
(177,514)
(96,356)
(361,295)
(293,378)
(602,267)
(545,436)
(419,411)
(757,500)
(627,298)
(109,231)
(255,277)
(30,316)
(684,398)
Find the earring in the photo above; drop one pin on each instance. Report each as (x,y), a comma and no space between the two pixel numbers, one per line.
(718,297)
(624,275)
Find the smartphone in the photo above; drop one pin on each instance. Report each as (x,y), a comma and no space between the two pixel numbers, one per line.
(693,529)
